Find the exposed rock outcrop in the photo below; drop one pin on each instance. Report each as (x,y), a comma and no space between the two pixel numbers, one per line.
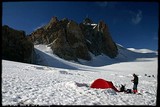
(98,39)
(76,40)
(71,41)
(61,47)
(15,46)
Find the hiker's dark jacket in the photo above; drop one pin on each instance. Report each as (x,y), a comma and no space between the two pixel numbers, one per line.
(135,80)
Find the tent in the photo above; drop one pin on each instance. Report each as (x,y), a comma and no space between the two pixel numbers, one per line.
(103,84)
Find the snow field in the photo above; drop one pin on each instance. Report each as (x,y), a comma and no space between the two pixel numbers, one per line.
(68,83)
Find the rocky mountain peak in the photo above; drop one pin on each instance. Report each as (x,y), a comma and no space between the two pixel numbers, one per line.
(54,19)
(52,23)
(74,28)
(64,19)
(102,26)
(87,21)
(71,41)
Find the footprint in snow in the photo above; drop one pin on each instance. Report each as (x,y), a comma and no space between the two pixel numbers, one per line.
(117,75)
(16,98)
(40,68)
(82,84)
(65,72)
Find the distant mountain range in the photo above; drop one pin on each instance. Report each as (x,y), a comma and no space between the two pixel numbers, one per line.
(67,39)
(70,40)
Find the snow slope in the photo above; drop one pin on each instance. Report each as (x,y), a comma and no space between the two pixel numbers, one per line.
(62,82)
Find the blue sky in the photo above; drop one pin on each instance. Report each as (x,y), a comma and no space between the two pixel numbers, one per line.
(131,24)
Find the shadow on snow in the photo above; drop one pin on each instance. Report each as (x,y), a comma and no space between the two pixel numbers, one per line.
(125,55)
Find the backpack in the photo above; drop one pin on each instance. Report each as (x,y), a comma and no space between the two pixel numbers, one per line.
(128,91)
(122,88)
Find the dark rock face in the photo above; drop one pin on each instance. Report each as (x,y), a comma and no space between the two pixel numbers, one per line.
(15,46)
(76,40)
(61,47)
(98,39)
(48,33)
(71,41)
(108,45)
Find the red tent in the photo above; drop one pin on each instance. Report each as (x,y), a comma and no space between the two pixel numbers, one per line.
(103,84)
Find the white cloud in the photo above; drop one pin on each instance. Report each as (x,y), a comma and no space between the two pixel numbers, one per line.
(136,17)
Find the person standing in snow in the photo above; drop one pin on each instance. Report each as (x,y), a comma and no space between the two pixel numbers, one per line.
(135,83)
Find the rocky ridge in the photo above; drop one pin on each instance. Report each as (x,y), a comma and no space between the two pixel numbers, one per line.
(15,46)
(71,41)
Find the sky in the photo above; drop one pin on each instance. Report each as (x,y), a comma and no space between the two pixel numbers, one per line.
(131,24)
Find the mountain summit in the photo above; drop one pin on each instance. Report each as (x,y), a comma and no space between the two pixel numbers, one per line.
(71,41)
